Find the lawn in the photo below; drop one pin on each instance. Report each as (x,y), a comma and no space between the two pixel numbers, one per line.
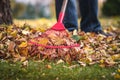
(38,70)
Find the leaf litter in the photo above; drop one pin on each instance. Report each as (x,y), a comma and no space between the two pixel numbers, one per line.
(14,44)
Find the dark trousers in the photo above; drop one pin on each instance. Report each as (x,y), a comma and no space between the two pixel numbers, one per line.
(88,10)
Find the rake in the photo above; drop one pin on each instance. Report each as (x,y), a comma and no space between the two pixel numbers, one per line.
(58,29)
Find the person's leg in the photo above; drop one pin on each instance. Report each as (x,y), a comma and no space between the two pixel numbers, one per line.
(89,13)
(70,19)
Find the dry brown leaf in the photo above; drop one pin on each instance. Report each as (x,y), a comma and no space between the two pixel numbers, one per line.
(11,46)
(68,58)
(48,66)
(23,51)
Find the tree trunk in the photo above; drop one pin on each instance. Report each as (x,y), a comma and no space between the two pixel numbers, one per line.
(5,12)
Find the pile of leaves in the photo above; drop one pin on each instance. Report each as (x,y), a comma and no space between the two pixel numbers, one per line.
(55,45)
(15,45)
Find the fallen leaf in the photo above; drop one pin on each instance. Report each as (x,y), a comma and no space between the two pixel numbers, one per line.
(48,66)
(73,66)
(1,36)
(119,70)
(11,46)
(25,64)
(23,51)
(116,56)
(23,45)
(60,61)
(14,33)
(82,63)
(25,32)
(117,76)
(76,37)
(43,41)
(22,59)
(68,58)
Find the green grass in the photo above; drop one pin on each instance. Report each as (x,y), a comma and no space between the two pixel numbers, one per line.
(38,71)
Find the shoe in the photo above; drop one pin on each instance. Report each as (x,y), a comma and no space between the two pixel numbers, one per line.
(103,33)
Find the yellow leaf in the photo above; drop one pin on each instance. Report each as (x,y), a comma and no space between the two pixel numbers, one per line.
(14,33)
(102,65)
(116,57)
(43,41)
(1,35)
(117,76)
(119,70)
(114,47)
(110,38)
(86,60)
(41,29)
(9,29)
(102,61)
(23,59)
(1,46)
(23,44)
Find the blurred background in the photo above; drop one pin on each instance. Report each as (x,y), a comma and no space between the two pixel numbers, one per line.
(33,9)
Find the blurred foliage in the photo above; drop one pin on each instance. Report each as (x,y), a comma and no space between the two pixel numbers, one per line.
(111,8)
(18,9)
(28,11)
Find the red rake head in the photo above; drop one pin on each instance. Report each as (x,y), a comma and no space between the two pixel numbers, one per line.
(58,26)
(55,47)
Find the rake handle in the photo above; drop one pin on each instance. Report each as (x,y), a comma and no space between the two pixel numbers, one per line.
(62,12)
